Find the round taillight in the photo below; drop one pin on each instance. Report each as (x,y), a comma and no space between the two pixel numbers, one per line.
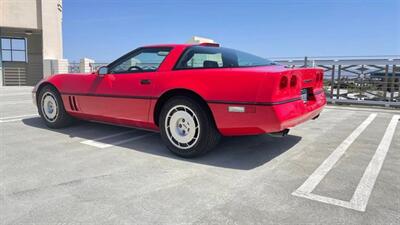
(293,81)
(284,82)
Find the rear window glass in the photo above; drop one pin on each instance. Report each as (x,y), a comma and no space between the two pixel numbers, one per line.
(218,57)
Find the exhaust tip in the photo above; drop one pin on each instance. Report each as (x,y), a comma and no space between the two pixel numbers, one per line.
(281,133)
(316,117)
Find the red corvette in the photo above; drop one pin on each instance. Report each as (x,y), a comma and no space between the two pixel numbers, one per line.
(192,94)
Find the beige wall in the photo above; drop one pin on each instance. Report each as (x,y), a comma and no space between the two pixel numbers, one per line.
(52,29)
(40,22)
(45,15)
(20,13)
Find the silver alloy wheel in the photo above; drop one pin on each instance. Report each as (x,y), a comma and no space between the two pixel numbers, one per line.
(49,106)
(182,127)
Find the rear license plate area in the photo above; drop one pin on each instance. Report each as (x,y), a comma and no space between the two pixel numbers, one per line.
(304,94)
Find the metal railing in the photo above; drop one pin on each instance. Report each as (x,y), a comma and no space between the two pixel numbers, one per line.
(361,80)
(95,66)
(73,67)
(15,76)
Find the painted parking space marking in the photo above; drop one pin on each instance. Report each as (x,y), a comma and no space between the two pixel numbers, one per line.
(364,189)
(99,142)
(16,118)
(15,94)
(328,164)
(16,102)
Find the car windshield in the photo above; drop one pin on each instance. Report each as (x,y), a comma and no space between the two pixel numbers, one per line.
(218,57)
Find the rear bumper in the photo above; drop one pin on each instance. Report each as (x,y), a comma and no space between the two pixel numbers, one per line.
(259,119)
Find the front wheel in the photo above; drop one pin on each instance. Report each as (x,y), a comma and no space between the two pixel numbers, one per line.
(51,108)
(186,128)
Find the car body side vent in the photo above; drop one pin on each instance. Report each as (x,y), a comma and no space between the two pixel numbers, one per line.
(72,103)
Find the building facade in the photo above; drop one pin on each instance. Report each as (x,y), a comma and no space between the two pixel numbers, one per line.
(31,40)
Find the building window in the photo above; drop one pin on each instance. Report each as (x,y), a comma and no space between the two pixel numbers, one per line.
(13,49)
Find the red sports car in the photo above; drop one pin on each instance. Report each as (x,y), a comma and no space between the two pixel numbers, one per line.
(192,94)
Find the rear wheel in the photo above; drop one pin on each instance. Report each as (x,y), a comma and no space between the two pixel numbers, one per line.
(51,108)
(186,127)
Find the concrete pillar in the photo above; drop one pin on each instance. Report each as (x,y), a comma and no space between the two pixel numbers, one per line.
(51,26)
(85,65)
(54,66)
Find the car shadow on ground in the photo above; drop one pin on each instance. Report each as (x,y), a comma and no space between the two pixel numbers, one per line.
(243,153)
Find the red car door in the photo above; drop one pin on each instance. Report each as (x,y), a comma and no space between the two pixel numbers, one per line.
(123,94)
(119,97)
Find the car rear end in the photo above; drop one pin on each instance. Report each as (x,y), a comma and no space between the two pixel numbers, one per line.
(296,95)
(285,98)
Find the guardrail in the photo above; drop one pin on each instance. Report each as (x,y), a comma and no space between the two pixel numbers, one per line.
(95,66)
(76,67)
(73,67)
(356,80)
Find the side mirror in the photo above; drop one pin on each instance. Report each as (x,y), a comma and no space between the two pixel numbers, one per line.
(103,70)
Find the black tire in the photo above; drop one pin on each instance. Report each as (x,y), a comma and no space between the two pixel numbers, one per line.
(207,136)
(62,118)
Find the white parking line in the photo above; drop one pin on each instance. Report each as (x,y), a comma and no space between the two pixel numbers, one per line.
(364,188)
(327,165)
(363,191)
(16,102)
(16,94)
(97,142)
(16,118)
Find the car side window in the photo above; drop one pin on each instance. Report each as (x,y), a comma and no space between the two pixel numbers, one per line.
(144,60)
(204,60)
(197,57)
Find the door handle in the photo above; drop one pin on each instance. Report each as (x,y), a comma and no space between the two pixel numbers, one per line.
(145,81)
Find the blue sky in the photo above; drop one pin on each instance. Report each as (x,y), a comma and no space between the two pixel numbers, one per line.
(105,29)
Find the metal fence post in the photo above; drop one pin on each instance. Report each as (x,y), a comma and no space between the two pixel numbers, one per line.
(305,62)
(393,80)
(361,80)
(332,80)
(338,82)
(385,84)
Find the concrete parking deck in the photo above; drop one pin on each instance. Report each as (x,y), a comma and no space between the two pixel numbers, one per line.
(340,168)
